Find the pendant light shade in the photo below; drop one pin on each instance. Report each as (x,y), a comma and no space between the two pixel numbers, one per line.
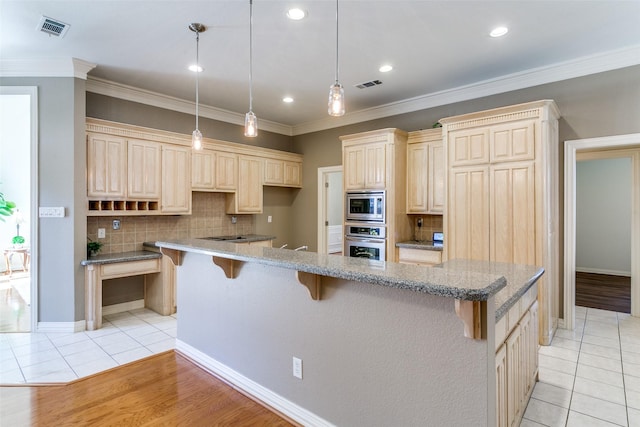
(196,137)
(336,91)
(250,119)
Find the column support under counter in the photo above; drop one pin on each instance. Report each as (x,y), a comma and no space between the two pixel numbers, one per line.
(472,314)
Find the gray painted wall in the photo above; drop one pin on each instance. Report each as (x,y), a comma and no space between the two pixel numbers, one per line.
(61,182)
(603,215)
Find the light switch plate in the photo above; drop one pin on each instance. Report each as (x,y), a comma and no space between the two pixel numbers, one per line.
(47,212)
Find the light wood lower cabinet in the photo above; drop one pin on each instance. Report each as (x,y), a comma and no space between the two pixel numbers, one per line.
(516,362)
(419,256)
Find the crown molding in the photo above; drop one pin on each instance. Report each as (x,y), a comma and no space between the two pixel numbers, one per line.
(579,67)
(46,67)
(133,94)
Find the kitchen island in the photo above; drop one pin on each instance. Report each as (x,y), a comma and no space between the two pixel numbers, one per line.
(379,343)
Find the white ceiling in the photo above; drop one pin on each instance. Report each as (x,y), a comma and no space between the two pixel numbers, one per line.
(436,48)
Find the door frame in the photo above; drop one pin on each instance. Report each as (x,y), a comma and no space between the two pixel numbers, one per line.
(571,150)
(32,92)
(322,206)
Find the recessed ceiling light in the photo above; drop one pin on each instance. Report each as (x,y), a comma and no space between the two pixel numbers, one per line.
(499,31)
(195,68)
(296,14)
(287,99)
(385,68)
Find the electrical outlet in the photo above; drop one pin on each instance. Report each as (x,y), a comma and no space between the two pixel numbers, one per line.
(116,224)
(234,219)
(269,218)
(297,367)
(101,233)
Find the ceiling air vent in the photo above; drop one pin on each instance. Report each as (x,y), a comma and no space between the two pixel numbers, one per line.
(52,27)
(372,83)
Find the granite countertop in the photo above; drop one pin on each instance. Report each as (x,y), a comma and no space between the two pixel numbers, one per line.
(242,238)
(452,282)
(419,244)
(519,279)
(121,257)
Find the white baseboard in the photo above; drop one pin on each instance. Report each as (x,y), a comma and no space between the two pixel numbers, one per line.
(602,271)
(61,327)
(251,388)
(122,307)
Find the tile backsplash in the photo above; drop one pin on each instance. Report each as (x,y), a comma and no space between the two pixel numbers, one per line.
(208,218)
(430,224)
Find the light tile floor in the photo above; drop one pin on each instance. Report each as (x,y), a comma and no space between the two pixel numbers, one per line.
(589,376)
(61,357)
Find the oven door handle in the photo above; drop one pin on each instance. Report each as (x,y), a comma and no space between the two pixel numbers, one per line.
(359,239)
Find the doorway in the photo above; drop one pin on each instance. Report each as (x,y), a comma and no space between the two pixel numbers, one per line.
(620,146)
(18,231)
(330,210)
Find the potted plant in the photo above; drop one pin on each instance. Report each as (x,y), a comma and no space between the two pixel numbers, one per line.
(6,207)
(17,241)
(93,247)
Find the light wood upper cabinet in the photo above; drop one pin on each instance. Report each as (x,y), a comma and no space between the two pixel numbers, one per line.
(213,171)
(365,166)
(248,196)
(512,142)
(144,170)
(176,179)
(226,171)
(203,170)
(282,173)
(106,166)
(469,147)
(425,172)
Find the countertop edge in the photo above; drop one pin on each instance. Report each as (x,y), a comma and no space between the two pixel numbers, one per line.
(310,262)
(515,297)
(120,257)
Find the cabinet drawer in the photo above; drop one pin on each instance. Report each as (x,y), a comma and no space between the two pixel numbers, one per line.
(419,256)
(131,268)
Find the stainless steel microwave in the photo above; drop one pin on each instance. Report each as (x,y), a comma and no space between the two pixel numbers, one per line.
(367,206)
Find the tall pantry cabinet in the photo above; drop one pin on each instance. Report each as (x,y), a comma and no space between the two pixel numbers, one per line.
(503,194)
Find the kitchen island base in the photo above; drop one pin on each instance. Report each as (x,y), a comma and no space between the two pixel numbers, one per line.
(372,355)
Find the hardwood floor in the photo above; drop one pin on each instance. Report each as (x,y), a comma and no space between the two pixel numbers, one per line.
(603,291)
(163,390)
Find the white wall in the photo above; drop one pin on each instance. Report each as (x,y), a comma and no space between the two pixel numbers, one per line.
(15,155)
(603,216)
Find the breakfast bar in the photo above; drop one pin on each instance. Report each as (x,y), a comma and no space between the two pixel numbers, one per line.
(371,342)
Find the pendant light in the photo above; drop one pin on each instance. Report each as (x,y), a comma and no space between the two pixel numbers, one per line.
(250,119)
(196,137)
(336,91)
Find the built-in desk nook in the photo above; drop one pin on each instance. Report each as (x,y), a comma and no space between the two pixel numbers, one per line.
(158,290)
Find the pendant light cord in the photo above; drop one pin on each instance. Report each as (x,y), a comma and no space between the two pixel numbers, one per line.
(337,27)
(251,55)
(197,73)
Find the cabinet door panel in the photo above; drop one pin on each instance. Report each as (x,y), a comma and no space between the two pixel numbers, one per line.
(417,178)
(249,185)
(273,172)
(202,170)
(469,147)
(176,179)
(354,168)
(225,171)
(514,376)
(468,234)
(292,174)
(501,387)
(436,178)
(512,212)
(375,161)
(512,142)
(106,166)
(144,170)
